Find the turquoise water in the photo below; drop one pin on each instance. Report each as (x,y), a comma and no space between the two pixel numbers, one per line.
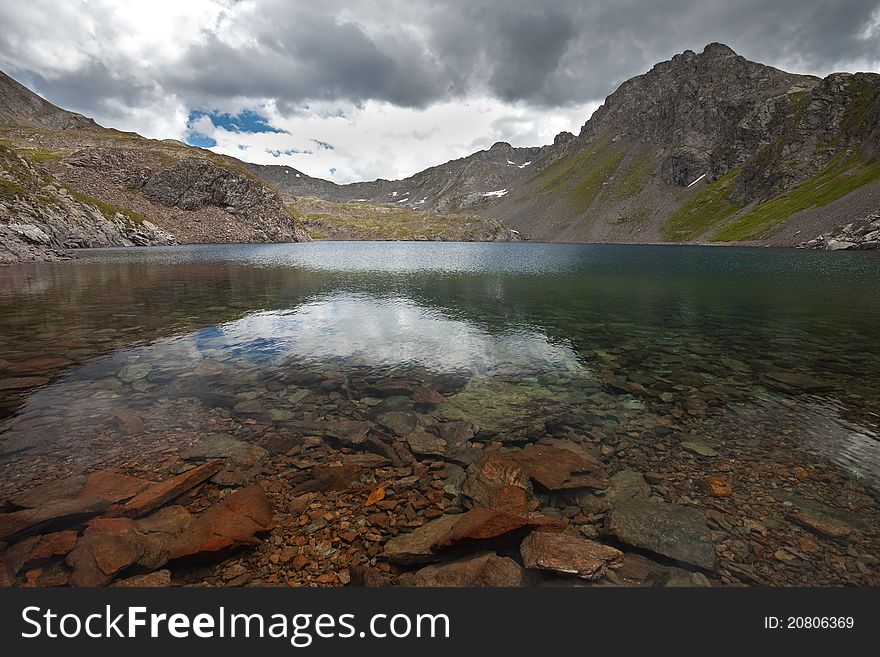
(620,342)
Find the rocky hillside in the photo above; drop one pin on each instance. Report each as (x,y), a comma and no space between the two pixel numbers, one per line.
(704,147)
(469,182)
(66,183)
(357,220)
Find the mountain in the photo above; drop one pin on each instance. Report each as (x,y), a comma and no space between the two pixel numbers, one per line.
(66,182)
(20,106)
(704,147)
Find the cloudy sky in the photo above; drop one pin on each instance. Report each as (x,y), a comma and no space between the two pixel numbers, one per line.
(364,89)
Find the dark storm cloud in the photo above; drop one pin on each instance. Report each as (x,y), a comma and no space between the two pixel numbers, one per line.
(415,52)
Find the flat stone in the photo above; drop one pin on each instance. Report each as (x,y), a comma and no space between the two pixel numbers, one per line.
(234,522)
(820,519)
(53,516)
(479,524)
(497,482)
(698,448)
(485,569)
(426,396)
(348,432)
(563,553)
(626,485)
(400,423)
(242,461)
(133,372)
(501,410)
(560,469)
(112,486)
(52,491)
(416,546)
(34,551)
(249,407)
(159,494)
(671,530)
(425,444)
(99,556)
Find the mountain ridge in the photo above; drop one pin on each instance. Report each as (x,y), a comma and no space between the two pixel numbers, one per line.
(769,146)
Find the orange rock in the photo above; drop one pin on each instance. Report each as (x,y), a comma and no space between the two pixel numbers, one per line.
(376,495)
(112,486)
(233,522)
(715,486)
(482,524)
(158,494)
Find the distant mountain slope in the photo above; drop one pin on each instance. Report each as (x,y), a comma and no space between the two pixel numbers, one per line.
(358,220)
(704,147)
(66,182)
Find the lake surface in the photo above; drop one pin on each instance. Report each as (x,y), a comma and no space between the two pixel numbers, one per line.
(769,354)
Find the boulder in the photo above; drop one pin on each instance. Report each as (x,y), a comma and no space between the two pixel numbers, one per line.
(563,553)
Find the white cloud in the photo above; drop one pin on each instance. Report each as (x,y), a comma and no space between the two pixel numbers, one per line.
(380,140)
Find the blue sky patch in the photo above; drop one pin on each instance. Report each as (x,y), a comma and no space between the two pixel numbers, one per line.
(244,121)
(323,144)
(195,139)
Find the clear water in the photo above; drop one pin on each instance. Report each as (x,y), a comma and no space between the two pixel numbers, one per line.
(620,342)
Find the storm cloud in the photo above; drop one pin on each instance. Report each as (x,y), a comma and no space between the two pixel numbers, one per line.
(533,67)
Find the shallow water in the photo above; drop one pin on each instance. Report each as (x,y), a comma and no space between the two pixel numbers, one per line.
(614,341)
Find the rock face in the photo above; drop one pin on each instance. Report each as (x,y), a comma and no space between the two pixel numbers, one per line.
(194,184)
(74,184)
(40,216)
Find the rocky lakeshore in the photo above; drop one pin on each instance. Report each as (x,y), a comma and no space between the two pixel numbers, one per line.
(313,477)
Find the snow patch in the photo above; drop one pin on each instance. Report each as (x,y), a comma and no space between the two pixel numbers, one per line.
(298,176)
(496,194)
(697,180)
(524,164)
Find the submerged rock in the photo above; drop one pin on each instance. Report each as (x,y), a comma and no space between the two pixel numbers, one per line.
(502,410)
(159,494)
(671,530)
(55,515)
